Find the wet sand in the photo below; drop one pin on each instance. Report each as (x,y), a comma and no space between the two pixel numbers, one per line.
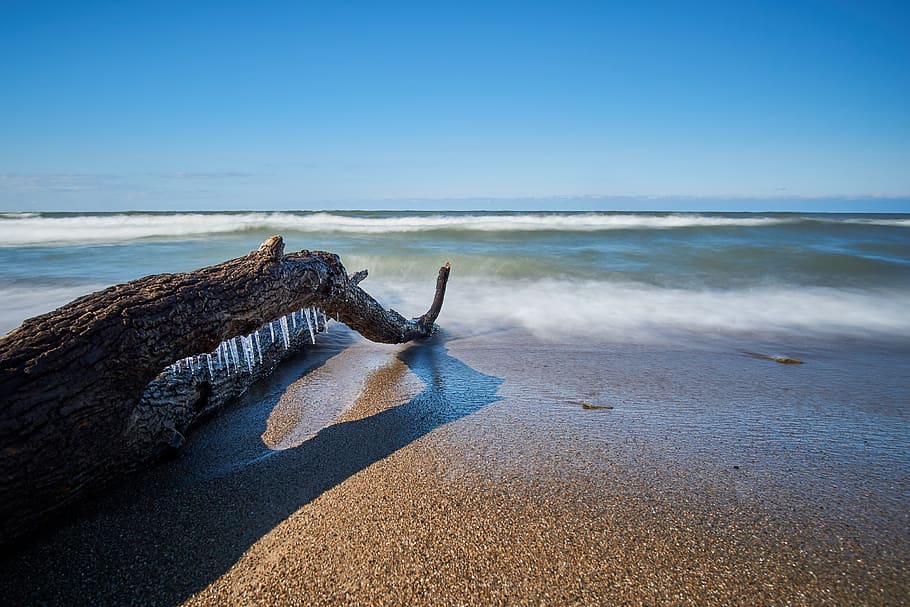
(466,472)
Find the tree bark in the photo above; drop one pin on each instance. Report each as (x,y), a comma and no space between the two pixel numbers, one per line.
(70,379)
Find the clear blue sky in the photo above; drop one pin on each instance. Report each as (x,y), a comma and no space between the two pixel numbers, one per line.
(259,105)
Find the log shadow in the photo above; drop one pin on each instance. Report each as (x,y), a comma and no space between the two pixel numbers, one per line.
(166,535)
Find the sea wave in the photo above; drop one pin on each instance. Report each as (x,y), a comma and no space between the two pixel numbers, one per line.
(618,311)
(19,215)
(527,222)
(109,228)
(897,223)
(639,312)
(31,229)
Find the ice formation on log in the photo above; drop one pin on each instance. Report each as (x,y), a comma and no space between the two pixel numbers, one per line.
(228,358)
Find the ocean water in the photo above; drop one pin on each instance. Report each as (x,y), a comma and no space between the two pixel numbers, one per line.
(632,277)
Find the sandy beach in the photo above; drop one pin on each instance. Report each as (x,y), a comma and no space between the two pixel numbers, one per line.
(467,472)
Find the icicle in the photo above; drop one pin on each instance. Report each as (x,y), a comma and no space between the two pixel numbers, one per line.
(310,325)
(272,330)
(208,360)
(244,350)
(250,353)
(259,347)
(325,320)
(218,356)
(235,358)
(293,321)
(284,332)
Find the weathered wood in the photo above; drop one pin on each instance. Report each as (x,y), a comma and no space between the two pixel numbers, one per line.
(70,379)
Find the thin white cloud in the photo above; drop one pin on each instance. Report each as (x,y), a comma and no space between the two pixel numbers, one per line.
(203,175)
(60,182)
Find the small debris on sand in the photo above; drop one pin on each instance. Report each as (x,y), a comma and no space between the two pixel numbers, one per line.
(786,360)
(586,405)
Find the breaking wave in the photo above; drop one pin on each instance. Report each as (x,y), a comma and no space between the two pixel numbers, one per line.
(555,274)
(606,310)
(897,223)
(638,312)
(21,215)
(33,229)
(25,229)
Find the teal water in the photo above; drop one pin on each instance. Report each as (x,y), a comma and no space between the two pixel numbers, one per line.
(622,276)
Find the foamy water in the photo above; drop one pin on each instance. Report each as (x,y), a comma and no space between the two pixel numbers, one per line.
(619,276)
(553,309)
(21,229)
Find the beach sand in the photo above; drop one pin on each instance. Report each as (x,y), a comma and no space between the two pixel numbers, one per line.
(468,472)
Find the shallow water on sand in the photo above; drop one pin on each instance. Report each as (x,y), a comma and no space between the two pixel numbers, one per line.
(769,472)
(829,436)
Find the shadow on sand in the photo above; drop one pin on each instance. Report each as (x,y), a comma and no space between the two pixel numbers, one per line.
(170,532)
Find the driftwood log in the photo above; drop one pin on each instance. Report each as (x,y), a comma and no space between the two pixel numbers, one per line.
(71,379)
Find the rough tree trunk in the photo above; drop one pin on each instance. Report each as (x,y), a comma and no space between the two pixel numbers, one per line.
(70,379)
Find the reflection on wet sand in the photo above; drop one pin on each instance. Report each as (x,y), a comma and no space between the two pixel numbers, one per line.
(359,381)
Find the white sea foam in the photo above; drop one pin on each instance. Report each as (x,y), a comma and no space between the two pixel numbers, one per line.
(519,222)
(898,223)
(606,310)
(76,229)
(637,312)
(30,229)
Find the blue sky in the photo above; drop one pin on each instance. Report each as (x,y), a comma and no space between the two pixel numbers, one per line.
(277,105)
